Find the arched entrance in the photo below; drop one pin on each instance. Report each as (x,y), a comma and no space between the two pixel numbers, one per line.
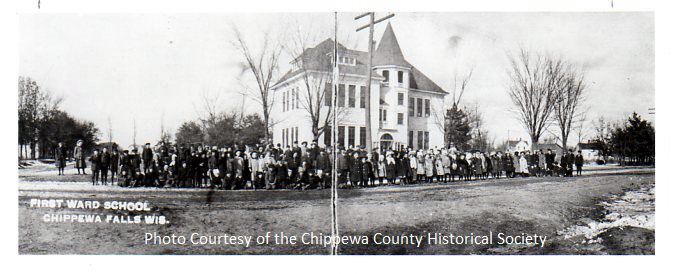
(386,141)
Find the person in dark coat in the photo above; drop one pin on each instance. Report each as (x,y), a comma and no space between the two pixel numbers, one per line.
(80,159)
(183,174)
(151,177)
(579,162)
(281,173)
(570,163)
(508,162)
(367,172)
(213,172)
(147,155)
(463,168)
(342,168)
(323,169)
(104,165)
(401,168)
(61,155)
(293,165)
(95,165)
(134,167)
(239,167)
(549,157)
(114,164)
(124,164)
(564,164)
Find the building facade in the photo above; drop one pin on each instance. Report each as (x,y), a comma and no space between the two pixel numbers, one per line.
(403,100)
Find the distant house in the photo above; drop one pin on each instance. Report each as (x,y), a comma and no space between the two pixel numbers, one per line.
(519,145)
(590,151)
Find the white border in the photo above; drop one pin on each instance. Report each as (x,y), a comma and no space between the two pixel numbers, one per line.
(380,264)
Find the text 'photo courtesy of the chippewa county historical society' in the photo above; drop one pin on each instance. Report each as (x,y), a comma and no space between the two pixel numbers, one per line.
(391,133)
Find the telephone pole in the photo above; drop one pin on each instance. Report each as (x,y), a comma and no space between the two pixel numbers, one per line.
(333,189)
(368,98)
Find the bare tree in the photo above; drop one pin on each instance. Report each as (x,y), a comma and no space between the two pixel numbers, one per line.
(207,111)
(109,131)
(315,72)
(480,137)
(35,107)
(263,65)
(447,116)
(134,133)
(567,108)
(460,85)
(580,128)
(534,89)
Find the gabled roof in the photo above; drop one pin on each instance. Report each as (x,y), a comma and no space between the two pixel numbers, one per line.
(319,58)
(588,146)
(418,80)
(389,52)
(545,146)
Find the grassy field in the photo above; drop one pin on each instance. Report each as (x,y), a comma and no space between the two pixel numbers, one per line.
(545,206)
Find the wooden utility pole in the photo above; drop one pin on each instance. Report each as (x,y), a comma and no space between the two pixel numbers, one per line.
(368,98)
(333,190)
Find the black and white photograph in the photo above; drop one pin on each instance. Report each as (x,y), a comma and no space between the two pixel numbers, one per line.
(336,133)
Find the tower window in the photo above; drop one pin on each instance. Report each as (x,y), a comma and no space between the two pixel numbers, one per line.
(427,107)
(351,96)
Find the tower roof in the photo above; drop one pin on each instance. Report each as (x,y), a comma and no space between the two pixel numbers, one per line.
(389,52)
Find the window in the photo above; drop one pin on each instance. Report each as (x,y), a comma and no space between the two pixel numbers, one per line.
(411,139)
(351,136)
(363,96)
(400,99)
(341,135)
(297,95)
(427,140)
(385,76)
(296,133)
(363,136)
(328,94)
(284,96)
(351,96)
(427,107)
(341,93)
(419,107)
(420,140)
(293,97)
(383,115)
(412,105)
(400,77)
(292,135)
(400,118)
(328,135)
(347,60)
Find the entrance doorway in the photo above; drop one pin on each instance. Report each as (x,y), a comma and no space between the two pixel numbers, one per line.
(386,141)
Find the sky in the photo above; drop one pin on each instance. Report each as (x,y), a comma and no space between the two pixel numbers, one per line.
(157,68)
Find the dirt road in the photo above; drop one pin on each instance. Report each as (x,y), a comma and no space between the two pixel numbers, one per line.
(541,206)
